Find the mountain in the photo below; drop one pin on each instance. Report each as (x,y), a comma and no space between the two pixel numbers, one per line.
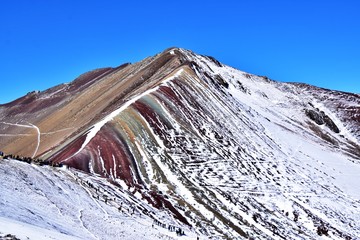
(218,152)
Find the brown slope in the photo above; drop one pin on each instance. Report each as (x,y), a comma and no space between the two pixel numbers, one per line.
(66,110)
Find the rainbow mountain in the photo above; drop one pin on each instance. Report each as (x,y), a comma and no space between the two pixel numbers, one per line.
(190,143)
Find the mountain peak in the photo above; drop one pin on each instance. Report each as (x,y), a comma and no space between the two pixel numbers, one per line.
(231,154)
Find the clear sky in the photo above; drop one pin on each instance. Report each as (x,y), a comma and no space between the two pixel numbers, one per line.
(47,42)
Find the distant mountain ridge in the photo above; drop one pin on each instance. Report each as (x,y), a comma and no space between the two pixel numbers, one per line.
(232,154)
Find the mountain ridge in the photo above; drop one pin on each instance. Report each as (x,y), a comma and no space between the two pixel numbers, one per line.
(232,154)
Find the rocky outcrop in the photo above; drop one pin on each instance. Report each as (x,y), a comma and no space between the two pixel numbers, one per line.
(346,106)
(320,118)
(330,124)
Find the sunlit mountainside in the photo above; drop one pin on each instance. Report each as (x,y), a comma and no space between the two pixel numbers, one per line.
(180,146)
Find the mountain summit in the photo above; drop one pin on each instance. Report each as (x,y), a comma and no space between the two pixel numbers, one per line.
(228,154)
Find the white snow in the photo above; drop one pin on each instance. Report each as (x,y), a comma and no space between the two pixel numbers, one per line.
(52,203)
(27,231)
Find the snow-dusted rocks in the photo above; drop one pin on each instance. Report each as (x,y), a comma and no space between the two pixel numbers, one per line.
(221,152)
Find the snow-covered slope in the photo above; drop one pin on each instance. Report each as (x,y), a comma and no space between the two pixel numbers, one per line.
(59,203)
(232,155)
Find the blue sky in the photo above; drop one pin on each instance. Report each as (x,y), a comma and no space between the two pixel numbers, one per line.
(47,42)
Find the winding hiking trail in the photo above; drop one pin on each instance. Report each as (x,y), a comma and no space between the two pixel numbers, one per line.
(29,126)
(38,139)
(31,134)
